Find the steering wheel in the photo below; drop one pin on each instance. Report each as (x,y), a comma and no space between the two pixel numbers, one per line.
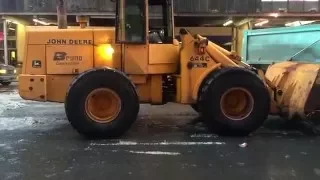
(157,30)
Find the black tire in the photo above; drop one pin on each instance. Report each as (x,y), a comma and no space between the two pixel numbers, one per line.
(101,78)
(5,83)
(216,84)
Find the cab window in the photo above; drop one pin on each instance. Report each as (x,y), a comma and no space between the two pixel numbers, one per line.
(160,22)
(131,21)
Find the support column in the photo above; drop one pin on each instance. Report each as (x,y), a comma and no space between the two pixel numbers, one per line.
(5,41)
(62,14)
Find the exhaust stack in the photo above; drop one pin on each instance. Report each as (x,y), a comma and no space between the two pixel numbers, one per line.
(62,14)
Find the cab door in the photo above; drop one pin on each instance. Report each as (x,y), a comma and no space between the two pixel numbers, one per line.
(131,32)
(163,49)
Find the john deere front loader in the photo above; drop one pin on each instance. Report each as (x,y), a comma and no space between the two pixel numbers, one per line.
(102,75)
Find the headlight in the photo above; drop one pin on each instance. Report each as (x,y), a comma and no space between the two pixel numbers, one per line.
(3,71)
(109,51)
(106,52)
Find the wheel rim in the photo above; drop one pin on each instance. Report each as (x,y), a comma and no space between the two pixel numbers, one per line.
(103,105)
(237,104)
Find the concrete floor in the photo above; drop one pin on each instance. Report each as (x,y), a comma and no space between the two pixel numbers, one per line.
(36,142)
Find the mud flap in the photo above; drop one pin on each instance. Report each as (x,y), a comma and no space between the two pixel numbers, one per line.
(297,87)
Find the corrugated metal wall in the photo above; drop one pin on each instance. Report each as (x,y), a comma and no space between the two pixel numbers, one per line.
(181,6)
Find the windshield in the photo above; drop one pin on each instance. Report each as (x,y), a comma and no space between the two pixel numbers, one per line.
(309,54)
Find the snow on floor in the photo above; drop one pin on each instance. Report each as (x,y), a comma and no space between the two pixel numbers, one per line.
(23,116)
(155,153)
(12,123)
(163,143)
(10,101)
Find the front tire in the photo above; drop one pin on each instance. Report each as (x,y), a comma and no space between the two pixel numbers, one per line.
(102,103)
(234,101)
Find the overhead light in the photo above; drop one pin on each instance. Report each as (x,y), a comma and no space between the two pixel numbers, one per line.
(262,23)
(12,29)
(299,23)
(274,15)
(41,22)
(227,23)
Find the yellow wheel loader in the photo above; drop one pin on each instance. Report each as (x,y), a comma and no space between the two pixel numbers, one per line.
(102,75)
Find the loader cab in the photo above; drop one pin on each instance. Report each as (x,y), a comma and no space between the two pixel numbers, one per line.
(145,29)
(144,21)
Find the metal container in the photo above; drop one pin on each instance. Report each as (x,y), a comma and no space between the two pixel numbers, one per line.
(267,46)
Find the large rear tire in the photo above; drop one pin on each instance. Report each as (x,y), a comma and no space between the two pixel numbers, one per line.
(102,103)
(234,101)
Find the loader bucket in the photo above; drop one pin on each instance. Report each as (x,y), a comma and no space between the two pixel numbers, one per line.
(297,88)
